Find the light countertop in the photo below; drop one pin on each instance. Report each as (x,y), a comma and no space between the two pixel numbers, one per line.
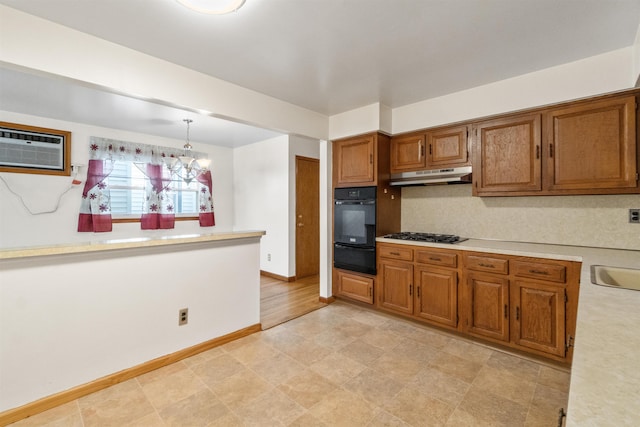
(115,244)
(605,378)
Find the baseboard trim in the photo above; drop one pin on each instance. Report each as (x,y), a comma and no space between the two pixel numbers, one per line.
(277,276)
(328,300)
(49,402)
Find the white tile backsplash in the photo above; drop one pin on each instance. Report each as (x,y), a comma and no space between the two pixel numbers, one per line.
(598,221)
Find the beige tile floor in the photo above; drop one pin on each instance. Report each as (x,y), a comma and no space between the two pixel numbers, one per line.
(338,366)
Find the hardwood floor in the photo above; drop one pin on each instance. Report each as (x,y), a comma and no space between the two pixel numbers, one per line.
(281,301)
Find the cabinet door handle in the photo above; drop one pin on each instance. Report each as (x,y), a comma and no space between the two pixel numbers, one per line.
(420,149)
(542,272)
(550,150)
(410,290)
(506,311)
(369,290)
(517,313)
(430,150)
(537,151)
(371,159)
(418,291)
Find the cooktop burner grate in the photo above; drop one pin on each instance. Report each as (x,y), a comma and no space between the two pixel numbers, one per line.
(426,237)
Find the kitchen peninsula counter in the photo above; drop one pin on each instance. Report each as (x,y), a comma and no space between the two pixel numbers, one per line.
(605,380)
(80,313)
(115,244)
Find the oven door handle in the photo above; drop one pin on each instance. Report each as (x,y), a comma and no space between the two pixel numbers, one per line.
(362,248)
(355,202)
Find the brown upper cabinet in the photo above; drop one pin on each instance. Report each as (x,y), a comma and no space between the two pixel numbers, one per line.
(437,148)
(361,160)
(592,146)
(507,155)
(586,147)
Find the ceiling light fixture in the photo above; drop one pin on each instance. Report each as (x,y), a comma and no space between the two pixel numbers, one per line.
(190,166)
(213,7)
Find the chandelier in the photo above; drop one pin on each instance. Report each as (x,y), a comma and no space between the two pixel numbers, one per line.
(213,7)
(187,167)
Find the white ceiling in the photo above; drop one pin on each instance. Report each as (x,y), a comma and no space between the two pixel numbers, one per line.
(331,56)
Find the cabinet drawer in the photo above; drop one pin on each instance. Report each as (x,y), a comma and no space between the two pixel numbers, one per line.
(548,272)
(395,252)
(437,258)
(356,287)
(488,264)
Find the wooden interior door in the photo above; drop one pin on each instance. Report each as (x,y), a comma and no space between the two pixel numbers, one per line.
(307,217)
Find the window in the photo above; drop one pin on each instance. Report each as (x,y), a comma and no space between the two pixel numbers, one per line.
(131,182)
(127,184)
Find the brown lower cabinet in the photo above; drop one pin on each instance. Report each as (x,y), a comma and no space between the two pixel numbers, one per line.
(354,285)
(525,303)
(420,282)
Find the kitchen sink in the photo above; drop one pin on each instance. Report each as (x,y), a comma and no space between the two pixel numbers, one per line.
(617,277)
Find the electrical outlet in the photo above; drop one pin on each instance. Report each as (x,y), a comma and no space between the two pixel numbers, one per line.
(268,257)
(183,316)
(634,216)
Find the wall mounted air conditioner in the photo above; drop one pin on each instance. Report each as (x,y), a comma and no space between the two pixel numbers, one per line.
(29,149)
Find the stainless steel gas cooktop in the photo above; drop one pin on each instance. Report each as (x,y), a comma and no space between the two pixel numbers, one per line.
(426,237)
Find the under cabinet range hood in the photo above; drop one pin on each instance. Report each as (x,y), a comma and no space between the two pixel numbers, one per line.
(459,175)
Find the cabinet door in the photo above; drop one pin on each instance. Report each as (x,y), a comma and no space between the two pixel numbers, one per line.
(488,311)
(539,316)
(408,153)
(395,290)
(437,295)
(448,147)
(355,287)
(592,145)
(353,159)
(507,155)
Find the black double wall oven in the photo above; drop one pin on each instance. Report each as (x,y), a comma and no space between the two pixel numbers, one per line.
(354,225)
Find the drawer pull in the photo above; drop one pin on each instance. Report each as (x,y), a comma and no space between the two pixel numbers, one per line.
(394,253)
(544,273)
(435,259)
(487,265)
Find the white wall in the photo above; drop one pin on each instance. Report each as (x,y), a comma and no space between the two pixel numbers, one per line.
(67,320)
(71,54)
(599,221)
(41,192)
(636,57)
(591,76)
(265,196)
(369,118)
(261,198)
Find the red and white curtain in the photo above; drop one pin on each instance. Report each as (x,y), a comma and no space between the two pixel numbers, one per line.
(206,216)
(158,210)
